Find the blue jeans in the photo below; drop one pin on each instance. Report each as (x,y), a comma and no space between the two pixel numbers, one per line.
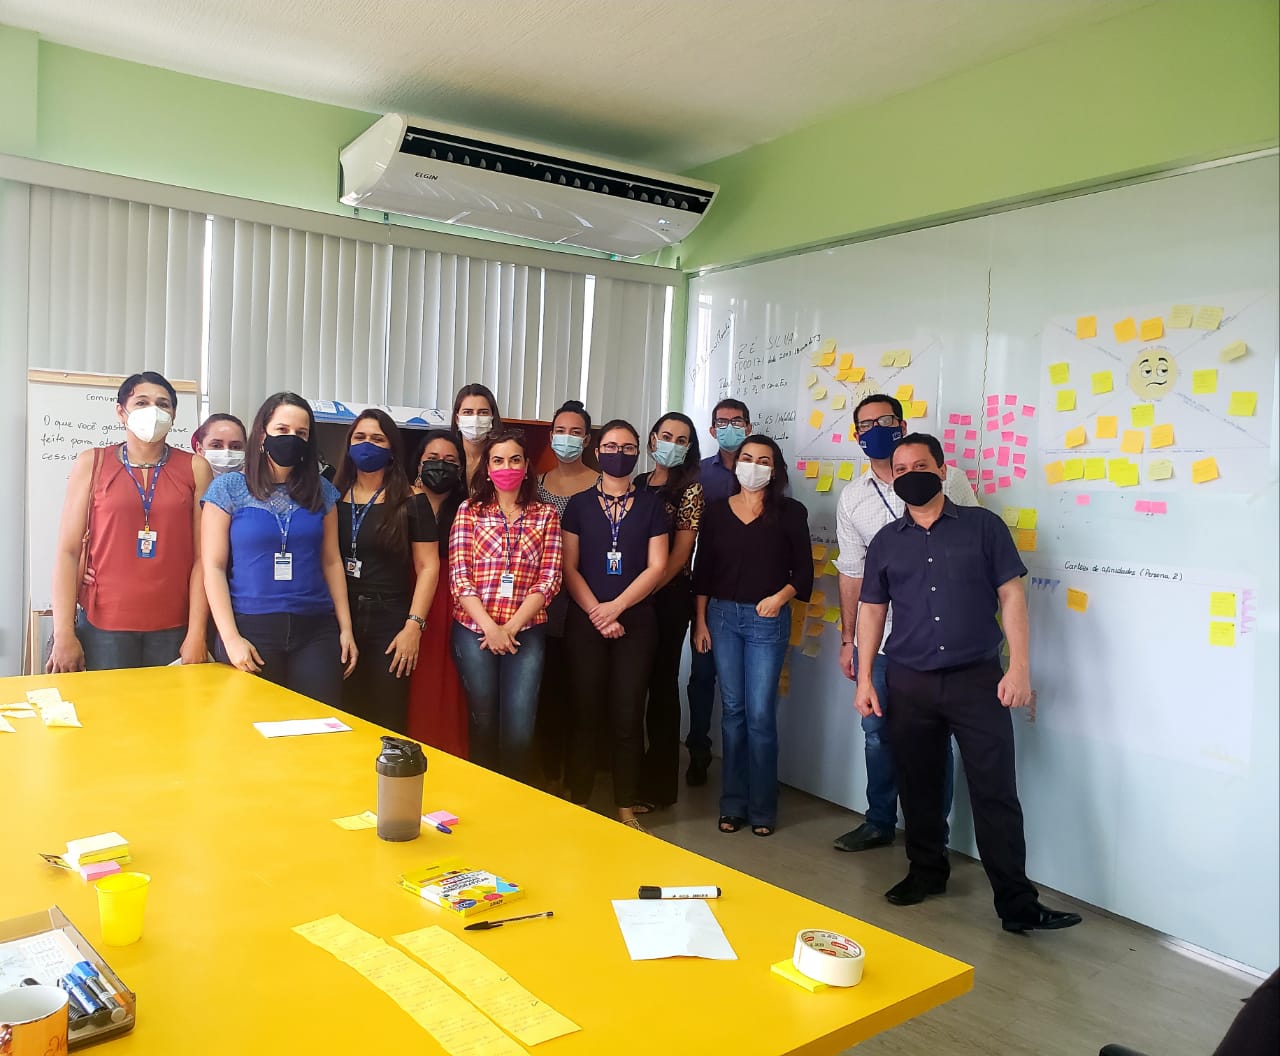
(702,700)
(299,652)
(502,698)
(749,651)
(112,650)
(882,784)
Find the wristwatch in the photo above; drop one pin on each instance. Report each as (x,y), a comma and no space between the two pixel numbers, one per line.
(422,624)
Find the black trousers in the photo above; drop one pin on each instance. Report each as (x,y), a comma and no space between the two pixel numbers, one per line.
(372,692)
(555,709)
(660,768)
(299,652)
(928,708)
(609,678)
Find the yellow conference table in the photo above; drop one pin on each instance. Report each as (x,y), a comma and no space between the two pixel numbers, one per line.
(236,831)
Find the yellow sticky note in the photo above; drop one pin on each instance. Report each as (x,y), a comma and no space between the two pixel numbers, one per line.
(1204,382)
(1125,330)
(919,409)
(1142,415)
(812,380)
(814,611)
(1059,373)
(812,649)
(1053,473)
(1233,351)
(1126,475)
(814,630)
(1151,329)
(819,549)
(829,345)
(857,373)
(824,483)
(831,615)
(812,466)
(1077,600)
(1222,603)
(1159,468)
(886,359)
(1132,442)
(1027,518)
(1243,404)
(1066,399)
(838,403)
(826,359)
(366,819)
(1207,317)
(820,393)
(905,392)
(1108,427)
(1161,436)
(1076,437)
(902,358)
(1101,382)
(1204,471)
(1073,469)
(1221,633)
(815,420)
(1095,468)
(797,633)
(845,472)
(818,597)
(1011,515)
(1025,540)
(831,569)
(1086,326)
(846,360)
(1179,317)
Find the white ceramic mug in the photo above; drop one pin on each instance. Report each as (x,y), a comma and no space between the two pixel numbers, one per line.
(33,1021)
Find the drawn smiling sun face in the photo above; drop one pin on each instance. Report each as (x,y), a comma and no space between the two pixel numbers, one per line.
(1153,373)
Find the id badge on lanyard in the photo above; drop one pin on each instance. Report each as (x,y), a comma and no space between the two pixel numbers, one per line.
(613,563)
(284,566)
(283,558)
(507,585)
(353,567)
(146,543)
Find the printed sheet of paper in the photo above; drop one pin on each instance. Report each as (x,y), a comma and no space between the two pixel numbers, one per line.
(301,727)
(671,927)
(492,990)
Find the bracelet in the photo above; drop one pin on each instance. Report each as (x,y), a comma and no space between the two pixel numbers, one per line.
(846,643)
(422,624)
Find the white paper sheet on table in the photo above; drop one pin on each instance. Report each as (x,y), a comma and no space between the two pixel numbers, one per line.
(654,928)
(300,727)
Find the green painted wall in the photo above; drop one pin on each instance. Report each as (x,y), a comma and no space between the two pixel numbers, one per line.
(1175,82)
(19,58)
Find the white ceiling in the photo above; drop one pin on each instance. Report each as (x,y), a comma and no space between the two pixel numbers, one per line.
(668,83)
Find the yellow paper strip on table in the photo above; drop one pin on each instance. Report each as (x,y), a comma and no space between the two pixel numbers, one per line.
(1076,437)
(824,483)
(1059,373)
(1221,633)
(902,358)
(857,374)
(826,359)
(364,820)
(819,549)
(1125,330)
(1095,468)
(1108,427)
(812,466)
(846,360)
(1204,382)
(815,420)
(1053,473)
(1086,326)
(1077,600)
(820,393)
(1011,515)
(1066,400)
(1025,540)
(1073,469)
(832,615)
(494,992)
(1204,471)
(1179,317)
(1207,317)
(838,403)
(1159,468)
(1132,441)
(1233,351)
(1222,603)
(1101,382)
(1151,329)
(905,392)
(1028,518)
(1161,436)
(1243,404)
(1143,415)
(814,630)
(812,380)
(845,472)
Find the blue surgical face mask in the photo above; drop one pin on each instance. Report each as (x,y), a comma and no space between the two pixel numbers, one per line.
(369,458)
(731,437)
(568,448)
(670,454)
(880,440)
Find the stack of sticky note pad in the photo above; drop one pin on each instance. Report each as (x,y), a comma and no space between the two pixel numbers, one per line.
(97,856)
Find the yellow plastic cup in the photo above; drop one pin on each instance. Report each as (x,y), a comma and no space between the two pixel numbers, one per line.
(122,898)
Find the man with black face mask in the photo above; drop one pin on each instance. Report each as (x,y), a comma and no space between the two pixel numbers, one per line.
(945,568)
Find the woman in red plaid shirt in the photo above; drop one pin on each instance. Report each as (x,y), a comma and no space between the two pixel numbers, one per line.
(504,566)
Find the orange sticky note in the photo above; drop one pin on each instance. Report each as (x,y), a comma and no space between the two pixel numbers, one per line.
(1108,427)
(1161,436)
(815,419)
(1053,473)
(1151,329)
(1024,540)
(811,469)
(1086,326)
(846,360)
(1125,330)
(1076,437)
(1132,441)
(1077,600)
(1204,471)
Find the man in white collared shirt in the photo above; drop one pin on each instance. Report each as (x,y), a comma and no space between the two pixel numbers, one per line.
(866,505)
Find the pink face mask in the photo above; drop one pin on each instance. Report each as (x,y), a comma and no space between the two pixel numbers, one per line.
(506,479)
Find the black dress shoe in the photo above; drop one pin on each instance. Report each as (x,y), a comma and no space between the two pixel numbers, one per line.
(696,775)
(914,890)
(863,838)
(1040,918)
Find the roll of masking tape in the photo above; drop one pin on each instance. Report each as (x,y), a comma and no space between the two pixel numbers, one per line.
(829,957)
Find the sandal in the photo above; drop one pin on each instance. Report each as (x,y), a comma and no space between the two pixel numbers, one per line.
(631,823)
(762,830)
(728,823)
(643,806)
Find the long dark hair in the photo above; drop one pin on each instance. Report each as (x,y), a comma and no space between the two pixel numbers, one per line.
(454,498)
(303,481)
(680,477)
(483,493)
(394,530)
(475,389)
(776,491)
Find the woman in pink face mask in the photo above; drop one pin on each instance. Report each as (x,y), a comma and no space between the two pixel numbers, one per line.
(504,566)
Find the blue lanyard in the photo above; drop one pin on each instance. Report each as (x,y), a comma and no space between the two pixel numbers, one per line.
(884,500)
(615,504)
(147,496)
(508,545)
(357,518)
(283,524)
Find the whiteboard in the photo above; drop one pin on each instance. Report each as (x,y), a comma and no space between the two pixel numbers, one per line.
(1148,773)
(67,413)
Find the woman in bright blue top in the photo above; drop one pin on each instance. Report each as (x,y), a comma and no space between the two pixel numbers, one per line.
(272,569)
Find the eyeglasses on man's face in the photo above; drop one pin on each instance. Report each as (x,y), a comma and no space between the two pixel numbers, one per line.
(724,423)
(887,420)
(620,449)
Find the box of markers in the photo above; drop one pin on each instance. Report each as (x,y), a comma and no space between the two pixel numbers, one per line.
(460,890)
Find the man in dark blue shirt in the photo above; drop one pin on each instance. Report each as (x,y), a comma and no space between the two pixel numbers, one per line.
(730,426)
(947,569)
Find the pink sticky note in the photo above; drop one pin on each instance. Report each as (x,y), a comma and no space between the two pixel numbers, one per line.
(969,452)
(1007,418)
(966,419)
(948,434)
(949,448)
(1159,507)
(1005,482)
(988,474)
(988,452)
(972,474)
(952,463)
(971,434)
(954,419)
(1011,401)
(1006,437)
(1003,459)
(1142,506)
(1082,499)
(800,465)
(1027,410)
(835,438)
(1019,471)
(993,401)
(989,488)
(97,870)
(443,817)
(1020,440)
(992,425)
(1019,458)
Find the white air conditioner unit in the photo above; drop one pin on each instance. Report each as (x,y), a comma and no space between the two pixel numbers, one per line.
(458,176)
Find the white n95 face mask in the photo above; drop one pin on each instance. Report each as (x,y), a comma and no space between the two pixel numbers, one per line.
(753,476)
(224,460)
(149,424)
(475,427)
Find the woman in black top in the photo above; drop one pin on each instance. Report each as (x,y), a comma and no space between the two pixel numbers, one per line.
(615,551)
(384,531)
(754,558)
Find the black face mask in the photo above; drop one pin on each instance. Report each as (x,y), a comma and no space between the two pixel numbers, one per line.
(287,450)
(616,464)
(439,476)
(917,488)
